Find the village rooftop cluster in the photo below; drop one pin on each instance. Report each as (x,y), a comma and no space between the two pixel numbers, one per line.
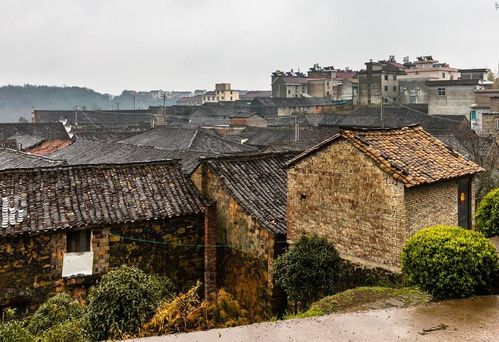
(215,187)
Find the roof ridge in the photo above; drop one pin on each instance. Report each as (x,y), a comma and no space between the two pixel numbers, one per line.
(93,166)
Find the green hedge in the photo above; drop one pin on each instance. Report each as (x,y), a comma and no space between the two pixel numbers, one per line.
(487,214)
(449,262)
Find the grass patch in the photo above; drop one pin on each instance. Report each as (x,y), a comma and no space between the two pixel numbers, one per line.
(362,298)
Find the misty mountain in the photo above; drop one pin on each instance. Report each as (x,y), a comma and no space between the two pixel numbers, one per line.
(16,101)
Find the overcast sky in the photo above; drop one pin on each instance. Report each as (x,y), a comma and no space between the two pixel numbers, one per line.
(111,45)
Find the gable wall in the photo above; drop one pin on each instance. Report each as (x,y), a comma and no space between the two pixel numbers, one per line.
(244,268)
(341,194)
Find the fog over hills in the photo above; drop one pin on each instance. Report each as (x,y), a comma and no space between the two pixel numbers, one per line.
(16,101)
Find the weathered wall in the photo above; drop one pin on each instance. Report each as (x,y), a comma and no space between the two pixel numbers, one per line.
(456,101)
(31,267)
(341,194)
(429,205)
(245,265)
(364,89)
(490,125)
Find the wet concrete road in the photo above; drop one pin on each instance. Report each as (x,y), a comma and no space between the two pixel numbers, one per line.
(461,320)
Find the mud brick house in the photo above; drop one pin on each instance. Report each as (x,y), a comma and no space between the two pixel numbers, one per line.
(62,227)
(250,196)
(368,190)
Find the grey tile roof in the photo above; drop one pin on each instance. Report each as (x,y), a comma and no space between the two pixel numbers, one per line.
(260,136)
(25,142)
(67,197)
(12,159)
(187,140)
(122,117)
(84,151)
(47,131)
(290,102)
(258,183)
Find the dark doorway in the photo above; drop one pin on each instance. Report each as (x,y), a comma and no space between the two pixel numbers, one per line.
(464,203)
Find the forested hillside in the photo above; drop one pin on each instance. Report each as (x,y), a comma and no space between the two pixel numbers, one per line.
(16,101)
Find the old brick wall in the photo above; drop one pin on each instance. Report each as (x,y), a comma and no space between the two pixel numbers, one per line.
(490,125)
(341,194)
(429,205)
(31,267)
(180,257)
(245,265)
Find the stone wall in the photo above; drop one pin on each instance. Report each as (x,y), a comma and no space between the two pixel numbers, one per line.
(490,126)
(429,205)
(245,263)
(341,194)
(31,267)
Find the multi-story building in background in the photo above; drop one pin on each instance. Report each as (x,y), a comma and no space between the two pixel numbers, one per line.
(223,92)
(320,82)
(380,80)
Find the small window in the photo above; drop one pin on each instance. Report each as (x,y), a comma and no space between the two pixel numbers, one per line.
(289,91)
(385,99)
(394,88)
(386,77)
(386,88)
(303,197)
(497,124)
(441,91)
(443,75)
(412,99)
(394,77)
(473,115)
(78,241)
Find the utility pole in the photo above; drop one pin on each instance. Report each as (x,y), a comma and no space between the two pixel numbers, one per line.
(118,105)
(381,113)
(134,99)
(76,119)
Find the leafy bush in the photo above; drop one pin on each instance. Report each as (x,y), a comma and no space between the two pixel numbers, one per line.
(164,287)
(125,298)
(55,310)
(186,312)
(14,331)
(68,331)
(309,270)
(449,262)
(487,214)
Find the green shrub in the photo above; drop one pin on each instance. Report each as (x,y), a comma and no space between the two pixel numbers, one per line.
(309,270)
(14,331)
(55,310)
(125,298)
(449,262)
(487,214)
(68,331)
(164,287)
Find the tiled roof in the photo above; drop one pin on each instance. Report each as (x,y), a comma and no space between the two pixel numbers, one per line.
(187,140)
(25,142)
(260,136)
(12,159)
(67,197)
(258,184)
(84,151)
(290,102)
(47,131)
(48,147)
(122,117)
(411,155)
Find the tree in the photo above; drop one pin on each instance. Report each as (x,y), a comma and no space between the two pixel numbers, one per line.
(485,152)
(308,271)
(22,119)
(487,214)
